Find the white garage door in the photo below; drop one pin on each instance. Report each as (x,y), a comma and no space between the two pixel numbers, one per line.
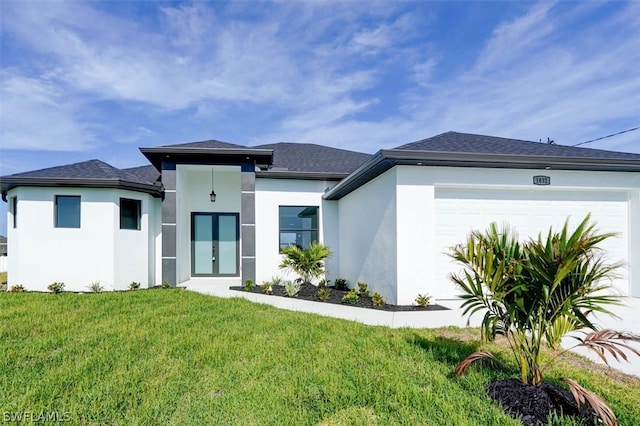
(458,211)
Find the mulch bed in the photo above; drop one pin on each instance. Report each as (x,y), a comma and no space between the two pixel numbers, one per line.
(534,403)
(310,292)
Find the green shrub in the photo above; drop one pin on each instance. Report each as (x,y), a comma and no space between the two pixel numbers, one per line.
(249,285)
(341,284)
(323,283)
(324,293)
(309,263)
(276,281)
(363,289)
(95,287)
(292,288)
(134,285)
(18,288)
(165,284)
(423,300)
(536,292)
(377,300)
(351,298)
(56,287)
(266,287)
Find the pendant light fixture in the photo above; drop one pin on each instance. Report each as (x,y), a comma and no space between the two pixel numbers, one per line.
(212,196)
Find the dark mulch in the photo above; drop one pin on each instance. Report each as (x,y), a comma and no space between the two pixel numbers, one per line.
(310,292)
(534,403)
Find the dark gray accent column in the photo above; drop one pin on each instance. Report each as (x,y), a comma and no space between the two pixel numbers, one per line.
(169,266)
(248,224)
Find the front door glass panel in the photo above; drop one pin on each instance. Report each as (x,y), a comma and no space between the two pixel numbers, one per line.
(215,245)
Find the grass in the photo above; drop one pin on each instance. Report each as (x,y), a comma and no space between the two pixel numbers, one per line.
(177,357)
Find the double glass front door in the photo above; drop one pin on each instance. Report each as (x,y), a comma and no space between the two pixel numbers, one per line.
(214,244)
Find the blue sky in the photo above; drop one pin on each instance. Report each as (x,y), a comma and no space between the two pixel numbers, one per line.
(83,80)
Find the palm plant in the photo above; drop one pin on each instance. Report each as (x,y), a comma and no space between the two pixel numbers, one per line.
(309,263)
(538,292)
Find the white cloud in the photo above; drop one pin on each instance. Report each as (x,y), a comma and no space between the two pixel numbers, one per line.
(34,115)
(566,85)
(348,73)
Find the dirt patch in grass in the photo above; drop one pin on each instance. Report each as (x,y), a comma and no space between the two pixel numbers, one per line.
(310,292)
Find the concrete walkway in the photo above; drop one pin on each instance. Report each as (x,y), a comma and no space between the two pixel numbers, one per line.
(629,315)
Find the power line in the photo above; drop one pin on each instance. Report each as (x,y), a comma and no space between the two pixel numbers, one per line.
(608,136)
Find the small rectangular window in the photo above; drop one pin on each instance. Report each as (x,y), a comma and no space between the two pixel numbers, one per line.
(67,211)
(14,211)
(298,226)
(129,214)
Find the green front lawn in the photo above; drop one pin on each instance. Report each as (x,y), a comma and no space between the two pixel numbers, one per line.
(177,357)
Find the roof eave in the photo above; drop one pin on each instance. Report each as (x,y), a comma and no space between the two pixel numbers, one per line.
(156,154)
(8,183)
(372,168)
(466,159)
(386,159)
(291,174)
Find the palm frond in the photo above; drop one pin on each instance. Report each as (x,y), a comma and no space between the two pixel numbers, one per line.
(461,368)
(596,403)
(611,342)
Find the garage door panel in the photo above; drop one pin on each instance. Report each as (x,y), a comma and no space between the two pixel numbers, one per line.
(459,211)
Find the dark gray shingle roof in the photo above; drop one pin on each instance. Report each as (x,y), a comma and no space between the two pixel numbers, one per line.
(455,142)
(306,157)
(86,173)
(206,144)
(146,173)
(91,169)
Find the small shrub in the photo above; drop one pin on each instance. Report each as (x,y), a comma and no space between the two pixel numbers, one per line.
(249,285)
(56,287)
(423,300)
(266,287)
(324,293)
(18,288)
(95,287)
(134,285)
(363,289)
(351,298)
(308,263)
(323,283)
(377,300)
(340,284)
(165,284)
(276,281)
(292,288)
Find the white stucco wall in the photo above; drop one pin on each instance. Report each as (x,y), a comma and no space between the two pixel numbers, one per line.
(134,250)
(193,185)
(368,248)
(270,195)
(422,264)
(97,251)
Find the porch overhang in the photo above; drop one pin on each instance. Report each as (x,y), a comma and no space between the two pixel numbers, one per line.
(191,155)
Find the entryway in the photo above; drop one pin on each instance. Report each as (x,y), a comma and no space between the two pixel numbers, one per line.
(215,248)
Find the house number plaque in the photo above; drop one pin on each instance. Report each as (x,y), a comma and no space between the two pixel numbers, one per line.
(542,180)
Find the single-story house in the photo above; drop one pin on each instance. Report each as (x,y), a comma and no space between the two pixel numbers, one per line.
(220,213)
